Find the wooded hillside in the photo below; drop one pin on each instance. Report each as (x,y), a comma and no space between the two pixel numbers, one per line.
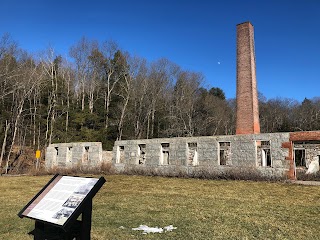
(102,93)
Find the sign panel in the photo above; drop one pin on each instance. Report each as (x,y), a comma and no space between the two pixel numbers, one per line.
(60,198)
(38,154)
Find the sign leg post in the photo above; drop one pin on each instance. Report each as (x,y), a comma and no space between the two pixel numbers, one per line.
(38,230)
(86,221)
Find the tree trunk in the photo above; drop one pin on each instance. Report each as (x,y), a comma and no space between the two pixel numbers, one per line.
(91,100)
(148,125)
(4,142)
(83,96)
(14,134)
(48,117)
(120,126)
(51,126)
(152,121)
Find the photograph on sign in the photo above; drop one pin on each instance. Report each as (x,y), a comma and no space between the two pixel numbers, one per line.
(60,199)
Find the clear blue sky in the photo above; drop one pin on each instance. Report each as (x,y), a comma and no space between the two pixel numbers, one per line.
(198,35)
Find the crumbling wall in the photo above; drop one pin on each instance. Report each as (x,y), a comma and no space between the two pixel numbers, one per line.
(220,152)
(311,151)
(107,156)
(296,138)
(67,155)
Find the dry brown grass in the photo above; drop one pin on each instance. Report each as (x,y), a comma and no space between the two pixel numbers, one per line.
(200,209)
(211,173)
(104,168)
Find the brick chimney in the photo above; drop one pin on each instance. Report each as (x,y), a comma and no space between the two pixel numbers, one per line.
(247,97)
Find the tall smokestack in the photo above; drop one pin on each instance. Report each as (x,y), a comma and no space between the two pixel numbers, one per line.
(247,97)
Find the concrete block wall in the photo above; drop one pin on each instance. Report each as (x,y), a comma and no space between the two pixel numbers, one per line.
(66,155)
(243,152)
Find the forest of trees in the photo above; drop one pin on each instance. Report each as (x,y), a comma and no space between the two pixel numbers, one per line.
(102,93)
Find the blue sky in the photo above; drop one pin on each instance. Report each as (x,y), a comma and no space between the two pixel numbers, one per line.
(198,35)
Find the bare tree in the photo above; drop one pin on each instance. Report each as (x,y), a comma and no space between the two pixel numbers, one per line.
(139,103)
(81,52)
(50,71)
(183,109)
(26,86)
(131,69)
(112,56)
(8,65)
(68,77)
(4,142)
(163,74)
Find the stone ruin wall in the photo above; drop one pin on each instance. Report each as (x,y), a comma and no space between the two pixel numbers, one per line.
(195,153)
(271,153)
(68,155)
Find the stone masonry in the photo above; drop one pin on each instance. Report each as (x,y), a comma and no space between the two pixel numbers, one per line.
(273,154)
(247,99)
(68,155)
(215,152)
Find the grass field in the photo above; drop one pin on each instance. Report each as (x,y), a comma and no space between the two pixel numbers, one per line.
(200,209)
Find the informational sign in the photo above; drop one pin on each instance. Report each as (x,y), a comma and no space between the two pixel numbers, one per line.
(60,198)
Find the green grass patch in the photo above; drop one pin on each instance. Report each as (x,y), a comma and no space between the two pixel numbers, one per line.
(200,209)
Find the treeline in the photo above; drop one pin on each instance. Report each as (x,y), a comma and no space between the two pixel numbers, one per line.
(101,93)
(288,115)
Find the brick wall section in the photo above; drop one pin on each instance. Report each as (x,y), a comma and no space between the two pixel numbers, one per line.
(298,137)
(305,136)
(291,171)
(247,99)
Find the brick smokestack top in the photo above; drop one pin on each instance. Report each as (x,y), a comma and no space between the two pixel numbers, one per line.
(247,97)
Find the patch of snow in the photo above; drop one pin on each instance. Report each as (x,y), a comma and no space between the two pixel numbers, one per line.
(147,229)
(169,228)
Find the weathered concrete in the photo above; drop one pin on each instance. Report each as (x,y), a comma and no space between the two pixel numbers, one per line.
(67,155)
(266,152)
(219,152)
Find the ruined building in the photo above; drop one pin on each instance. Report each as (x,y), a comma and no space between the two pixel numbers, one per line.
(276,154)
(270,153)
(68,155)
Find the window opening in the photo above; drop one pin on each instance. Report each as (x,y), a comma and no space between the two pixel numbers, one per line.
(164,154)
(192,154)
(300,157)
(57,151)
(69,154)
(142,154)
(86,154)
(224,153)
(266,157)
(120,154)
(263,153)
